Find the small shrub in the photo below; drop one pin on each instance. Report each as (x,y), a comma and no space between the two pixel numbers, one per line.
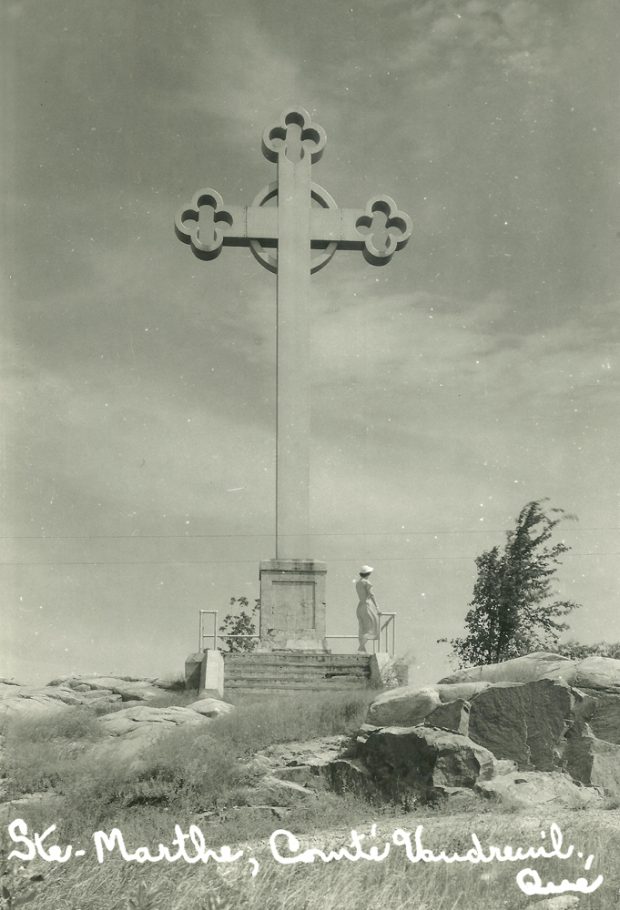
(241,623)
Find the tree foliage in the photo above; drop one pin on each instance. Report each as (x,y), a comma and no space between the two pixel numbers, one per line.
(577,651)
(241,622)
(512,611)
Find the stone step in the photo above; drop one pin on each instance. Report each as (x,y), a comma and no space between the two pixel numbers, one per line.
(297,681)
(319,661)
(259,667)
(337,685)
(258,678)
(320,656)
(292,673)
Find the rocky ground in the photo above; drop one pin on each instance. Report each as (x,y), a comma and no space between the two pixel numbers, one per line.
(538,730)
(505,749)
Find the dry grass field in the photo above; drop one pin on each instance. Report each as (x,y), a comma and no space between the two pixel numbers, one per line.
(194,778)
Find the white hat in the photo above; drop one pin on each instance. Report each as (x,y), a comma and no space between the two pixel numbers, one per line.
(366,570)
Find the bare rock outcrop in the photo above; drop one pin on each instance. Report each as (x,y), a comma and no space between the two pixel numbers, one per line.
(538,790)
(102,693)
(596,673)
(541,712)
(529,668)
(309,764)
(423,760)
(129,720)
(127,733)
(124,732)
(129,688)
(524,722)
(31,701)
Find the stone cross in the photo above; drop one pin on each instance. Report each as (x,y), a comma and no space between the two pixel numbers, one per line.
(293,238)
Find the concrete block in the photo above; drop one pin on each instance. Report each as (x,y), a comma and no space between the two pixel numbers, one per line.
(212,674)
(292,604)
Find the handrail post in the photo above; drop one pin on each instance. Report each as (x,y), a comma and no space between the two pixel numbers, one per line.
(202,634)
(385,627)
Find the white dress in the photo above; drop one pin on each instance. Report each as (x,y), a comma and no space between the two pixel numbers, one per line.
(367,613)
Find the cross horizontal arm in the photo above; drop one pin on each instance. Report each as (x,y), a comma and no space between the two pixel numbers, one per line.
(336,224)
(261,223)
(207,224)
(252,222)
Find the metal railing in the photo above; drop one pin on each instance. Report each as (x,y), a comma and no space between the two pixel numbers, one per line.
(213,636)
(388,628)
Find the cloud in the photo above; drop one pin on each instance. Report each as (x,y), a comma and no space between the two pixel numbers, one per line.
(513,34)
(426,341)
(417,387)
(260,77)
(88,458)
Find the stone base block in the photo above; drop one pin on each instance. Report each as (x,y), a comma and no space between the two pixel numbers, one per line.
(212,674)
(292,605)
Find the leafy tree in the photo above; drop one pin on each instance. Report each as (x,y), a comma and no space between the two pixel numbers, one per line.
(240,623)
(512,611)
(576,651)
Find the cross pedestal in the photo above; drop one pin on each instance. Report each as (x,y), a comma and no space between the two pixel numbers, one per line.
(292,605)
(294,238)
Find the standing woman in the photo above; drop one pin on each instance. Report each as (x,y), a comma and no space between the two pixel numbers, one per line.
(367,610)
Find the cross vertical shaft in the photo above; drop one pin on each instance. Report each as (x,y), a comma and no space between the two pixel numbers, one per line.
(293,359)
(294,238)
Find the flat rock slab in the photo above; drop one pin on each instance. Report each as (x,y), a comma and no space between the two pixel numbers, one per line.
(410,705)
(128,720)
(132,730)
(598,673)
(211,707)
(25,701)
(538,790)
(314,753)
(27,705)
(129,688)
(531,667)
(404,707)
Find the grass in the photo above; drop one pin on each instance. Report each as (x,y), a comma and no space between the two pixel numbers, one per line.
(199,775)
(189,772)
(279,720)
(394,883)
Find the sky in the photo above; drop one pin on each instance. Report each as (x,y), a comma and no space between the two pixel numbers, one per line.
(474,373)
